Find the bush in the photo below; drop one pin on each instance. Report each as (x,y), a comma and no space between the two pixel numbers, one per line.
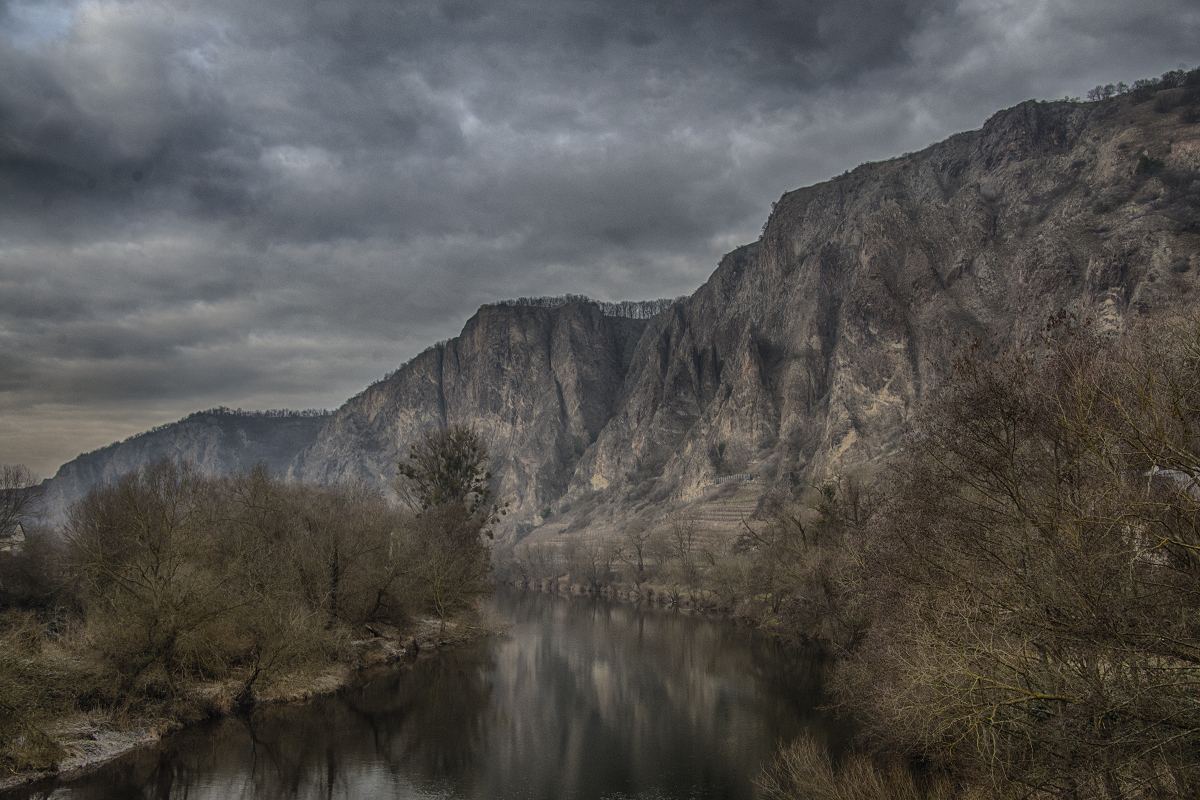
(1148,164)
(1033,574)
(31,691)
(185,577)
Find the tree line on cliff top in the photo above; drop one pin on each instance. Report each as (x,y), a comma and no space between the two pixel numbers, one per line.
(167,579)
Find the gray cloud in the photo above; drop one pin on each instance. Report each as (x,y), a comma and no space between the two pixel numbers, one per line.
(267,203)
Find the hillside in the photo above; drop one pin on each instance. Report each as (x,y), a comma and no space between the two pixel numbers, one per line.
(804,352)
(218,441)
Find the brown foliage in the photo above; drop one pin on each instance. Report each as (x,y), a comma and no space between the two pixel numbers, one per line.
(803,581)
(452,560)
(185,577)
(1034,575)
(804,769)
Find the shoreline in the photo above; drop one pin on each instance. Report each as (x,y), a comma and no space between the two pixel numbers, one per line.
(618,591)
(92,740)
(660,596)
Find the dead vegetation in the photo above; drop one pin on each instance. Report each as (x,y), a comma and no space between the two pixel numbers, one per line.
(170,596)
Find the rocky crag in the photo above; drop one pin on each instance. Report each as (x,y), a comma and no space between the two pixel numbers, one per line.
(806,351)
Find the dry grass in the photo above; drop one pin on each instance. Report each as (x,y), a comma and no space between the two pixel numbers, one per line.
(803,770)
(33,688)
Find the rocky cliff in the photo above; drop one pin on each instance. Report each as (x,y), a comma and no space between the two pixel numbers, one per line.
(539,385)
(806,351)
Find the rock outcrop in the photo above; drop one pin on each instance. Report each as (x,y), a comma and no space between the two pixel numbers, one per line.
(538,384)
(806,351)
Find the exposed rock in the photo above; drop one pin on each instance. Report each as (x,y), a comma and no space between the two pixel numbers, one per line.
(538,384)
(806,351)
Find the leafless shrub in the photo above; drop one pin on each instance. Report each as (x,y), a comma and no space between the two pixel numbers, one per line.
(1033,583)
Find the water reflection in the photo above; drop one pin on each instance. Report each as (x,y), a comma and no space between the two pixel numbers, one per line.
(581,699)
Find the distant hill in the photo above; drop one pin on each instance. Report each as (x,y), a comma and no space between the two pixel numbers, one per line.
(219,440)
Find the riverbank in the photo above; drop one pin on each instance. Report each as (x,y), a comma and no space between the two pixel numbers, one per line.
(701,600)
(654,594)
(89,739)
(579,698)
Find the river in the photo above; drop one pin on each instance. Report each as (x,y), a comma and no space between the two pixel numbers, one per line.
(582,698)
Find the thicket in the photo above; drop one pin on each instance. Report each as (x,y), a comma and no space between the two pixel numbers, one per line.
(1035,571)
(788,571)
(1026,592)
(167,580)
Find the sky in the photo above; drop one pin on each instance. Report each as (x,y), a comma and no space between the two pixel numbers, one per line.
(272,203)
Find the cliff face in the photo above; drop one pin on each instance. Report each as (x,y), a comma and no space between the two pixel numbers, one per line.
(538,384)
(806,351)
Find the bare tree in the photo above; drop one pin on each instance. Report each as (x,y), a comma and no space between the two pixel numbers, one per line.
(20,502)
(634,550)
(451,560)
(592,563)
(683,541)
(140,545)
(803,553)
(1036,606)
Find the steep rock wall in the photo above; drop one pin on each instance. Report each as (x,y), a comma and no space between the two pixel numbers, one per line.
(805,352)
(538,384)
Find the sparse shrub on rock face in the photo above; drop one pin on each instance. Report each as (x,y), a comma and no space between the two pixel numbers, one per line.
(1148,164)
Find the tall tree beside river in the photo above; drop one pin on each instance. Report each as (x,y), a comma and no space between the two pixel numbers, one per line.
(445,480)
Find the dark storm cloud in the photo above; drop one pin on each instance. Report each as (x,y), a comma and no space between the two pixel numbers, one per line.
(270,203)
(259,109)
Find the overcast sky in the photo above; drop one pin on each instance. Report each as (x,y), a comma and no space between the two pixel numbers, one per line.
(271,203)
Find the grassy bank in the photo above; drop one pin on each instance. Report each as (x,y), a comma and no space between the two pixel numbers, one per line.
(70,720)
(169,596)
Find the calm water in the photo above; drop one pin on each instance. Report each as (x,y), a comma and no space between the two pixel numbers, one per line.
(580,699)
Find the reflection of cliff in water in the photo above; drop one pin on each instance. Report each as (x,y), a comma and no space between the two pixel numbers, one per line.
(613,695)
(580,699)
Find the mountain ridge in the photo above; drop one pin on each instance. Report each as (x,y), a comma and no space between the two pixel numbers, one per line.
(805,352)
